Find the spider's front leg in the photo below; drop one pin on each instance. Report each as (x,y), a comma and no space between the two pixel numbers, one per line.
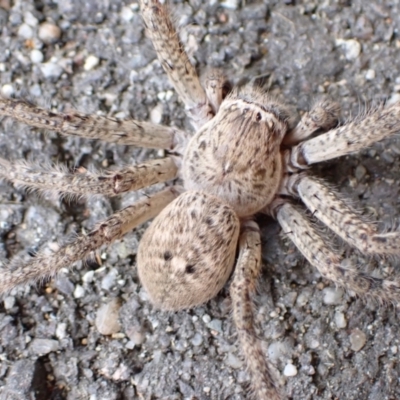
(248,268)
(323,115)
(201,105)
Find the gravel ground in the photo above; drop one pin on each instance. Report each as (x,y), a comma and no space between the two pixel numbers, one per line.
(325,344)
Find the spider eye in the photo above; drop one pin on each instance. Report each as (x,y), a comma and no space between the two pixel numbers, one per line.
(258,117)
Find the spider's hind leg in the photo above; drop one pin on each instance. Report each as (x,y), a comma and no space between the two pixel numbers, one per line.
(248,268)
(315,249)
(19,272)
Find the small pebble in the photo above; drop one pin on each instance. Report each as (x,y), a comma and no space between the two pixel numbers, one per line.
(127,13)
(197,340)
(215,325)
(43,346)
(230,4)
(64,285)
(107,318)
(206,318)
(394,98)
(25,31)
(91,62)
(36,56)
(340,320)
(156,114)
(370,75)
(61,330)
(276,351)
(88,277)
(108,282)
(136,335)
(49,33)
(290,370)
(51,70)
(360,172)
(357,339)
(7,90)
(9,302)
(352,48)
(79,292)
(233,361)
(30,19)
(332,296)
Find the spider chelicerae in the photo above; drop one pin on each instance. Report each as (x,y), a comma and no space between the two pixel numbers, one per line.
(243,159)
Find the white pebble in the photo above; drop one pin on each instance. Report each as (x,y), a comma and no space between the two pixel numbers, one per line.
(61,330)
(290,370)
(25,31)
(352,48)
(127,13)
(49,33)
(30,19)
(230,4)
(340,320)
(9,302)
(370,75)
(79,292)
(43,346)
(197,339)
(156,114)
(88,277)
(332,296)
(51,70)
(357,339)
(206,318)
(108,282)
(7,90)
(91,62)
(107,318)
(36,56)
(394,98)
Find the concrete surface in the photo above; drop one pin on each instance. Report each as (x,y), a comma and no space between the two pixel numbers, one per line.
(50,348)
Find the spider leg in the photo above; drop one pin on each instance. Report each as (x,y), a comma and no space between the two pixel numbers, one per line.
(175,61)
(358,134)
(323,115)
(336,214)
(82,182)
(247,270)
(20,272)
(127,132)
(314,248)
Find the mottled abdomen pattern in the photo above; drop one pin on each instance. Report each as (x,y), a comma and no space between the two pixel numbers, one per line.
(187,254)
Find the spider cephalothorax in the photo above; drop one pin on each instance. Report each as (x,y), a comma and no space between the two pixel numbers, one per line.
(242,159)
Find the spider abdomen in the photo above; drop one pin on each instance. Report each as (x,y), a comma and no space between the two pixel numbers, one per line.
(187,254)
